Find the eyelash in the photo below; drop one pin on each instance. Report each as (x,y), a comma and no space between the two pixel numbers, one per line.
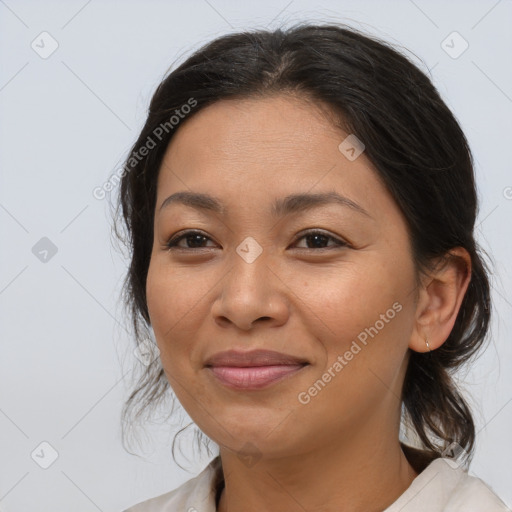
(172,244)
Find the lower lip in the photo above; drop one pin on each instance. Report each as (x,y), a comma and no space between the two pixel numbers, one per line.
(254,377)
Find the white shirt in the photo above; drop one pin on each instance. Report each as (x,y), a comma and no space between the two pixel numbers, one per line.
(440,487)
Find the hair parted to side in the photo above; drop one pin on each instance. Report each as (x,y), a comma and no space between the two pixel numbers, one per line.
(411,137)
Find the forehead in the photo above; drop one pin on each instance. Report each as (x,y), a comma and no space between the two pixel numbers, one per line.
(260,148)
(264,127)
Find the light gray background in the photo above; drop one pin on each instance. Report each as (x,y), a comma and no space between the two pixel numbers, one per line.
(67,121)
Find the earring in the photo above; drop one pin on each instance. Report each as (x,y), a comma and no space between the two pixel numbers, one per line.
(428,346)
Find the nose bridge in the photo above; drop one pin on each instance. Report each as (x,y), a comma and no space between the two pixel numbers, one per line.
(250,290)
(249,274)
(249,250)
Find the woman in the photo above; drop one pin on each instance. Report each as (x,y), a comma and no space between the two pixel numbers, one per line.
(300,208)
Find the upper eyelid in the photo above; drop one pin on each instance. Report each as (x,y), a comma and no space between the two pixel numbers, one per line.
(311,231)
(308,231)
(182,234)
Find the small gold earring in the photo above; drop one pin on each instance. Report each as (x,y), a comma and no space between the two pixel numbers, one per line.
(428,346)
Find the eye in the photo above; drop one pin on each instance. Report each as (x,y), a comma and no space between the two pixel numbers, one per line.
(195,239)
(317,238)
(192,237)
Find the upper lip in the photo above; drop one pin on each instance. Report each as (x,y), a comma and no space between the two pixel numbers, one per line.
(252,358)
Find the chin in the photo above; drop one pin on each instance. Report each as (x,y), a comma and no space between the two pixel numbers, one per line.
(258,431)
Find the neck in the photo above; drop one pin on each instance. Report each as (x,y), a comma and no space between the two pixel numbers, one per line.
(355,476)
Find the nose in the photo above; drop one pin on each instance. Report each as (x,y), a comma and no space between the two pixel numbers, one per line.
(251,293)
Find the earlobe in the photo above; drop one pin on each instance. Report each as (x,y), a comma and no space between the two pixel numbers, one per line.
(440,301)
(422,343)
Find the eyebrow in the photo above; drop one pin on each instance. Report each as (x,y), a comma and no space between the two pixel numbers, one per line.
(281,207)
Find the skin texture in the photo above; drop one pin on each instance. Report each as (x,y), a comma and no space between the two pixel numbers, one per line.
(340,451)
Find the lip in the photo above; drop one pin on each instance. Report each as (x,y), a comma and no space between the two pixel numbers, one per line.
(253,358)
(255,369)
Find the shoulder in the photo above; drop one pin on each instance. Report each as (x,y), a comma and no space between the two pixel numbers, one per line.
(195,495)
(473,495)
(443,486)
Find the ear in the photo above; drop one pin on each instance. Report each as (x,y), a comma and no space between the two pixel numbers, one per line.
(440,297)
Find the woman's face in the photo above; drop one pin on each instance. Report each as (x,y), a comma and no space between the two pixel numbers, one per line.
(339,301)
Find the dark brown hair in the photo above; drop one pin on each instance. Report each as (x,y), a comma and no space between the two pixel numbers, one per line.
(411,137)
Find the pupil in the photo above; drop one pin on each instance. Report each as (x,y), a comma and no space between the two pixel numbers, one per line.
(317,237)
(195,238)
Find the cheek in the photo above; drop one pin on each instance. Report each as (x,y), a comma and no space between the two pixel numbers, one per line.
(347,299)
(173,303)
(363,330)
(361,312)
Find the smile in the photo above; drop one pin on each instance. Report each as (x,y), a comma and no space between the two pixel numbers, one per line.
(254,377)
